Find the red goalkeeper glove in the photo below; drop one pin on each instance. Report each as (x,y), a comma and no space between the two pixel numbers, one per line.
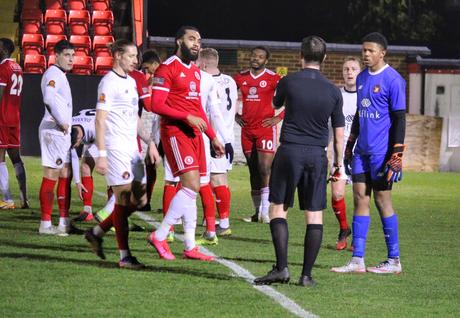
(393,167)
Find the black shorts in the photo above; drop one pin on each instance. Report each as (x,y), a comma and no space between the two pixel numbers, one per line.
(302,167)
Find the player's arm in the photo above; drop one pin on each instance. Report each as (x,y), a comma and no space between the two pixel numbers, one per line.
(52,104)
(277,103)
(101,162)
(2,89)
(152,151)
(338,127)
(76,173)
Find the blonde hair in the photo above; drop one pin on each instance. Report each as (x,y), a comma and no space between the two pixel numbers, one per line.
(354,59)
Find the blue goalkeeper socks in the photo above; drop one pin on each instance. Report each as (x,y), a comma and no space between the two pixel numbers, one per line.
(360,229)
(390,230)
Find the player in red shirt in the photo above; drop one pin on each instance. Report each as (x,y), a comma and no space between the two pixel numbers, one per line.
(11,80)
(258,122)
(176,97)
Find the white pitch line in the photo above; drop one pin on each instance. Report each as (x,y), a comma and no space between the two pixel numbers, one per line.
(283,300)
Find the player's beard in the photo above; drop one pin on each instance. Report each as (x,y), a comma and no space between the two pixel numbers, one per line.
(187,55)
(258,67)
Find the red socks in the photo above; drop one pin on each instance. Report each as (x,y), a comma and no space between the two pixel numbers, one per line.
(207,200)
(63,197)
(223,201)
(47,198)
(120,222)
(87,182)
(340,208)
(151,179)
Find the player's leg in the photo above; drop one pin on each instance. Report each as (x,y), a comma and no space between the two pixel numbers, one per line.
(169,191)
(219,184)
(339,208)
(46,196)
(250,153)
(20,172)
(87,166)
(63,198)
(151,171)
(7,202)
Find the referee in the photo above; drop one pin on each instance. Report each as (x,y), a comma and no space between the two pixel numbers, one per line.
(310,99)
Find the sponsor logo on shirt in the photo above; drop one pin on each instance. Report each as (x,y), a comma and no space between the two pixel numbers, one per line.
(376,89)
(263,84)
(193,94)
(51,83)
(252,94)
(188,160)
(365,102)
(365,113)
(158,81)
(101,98)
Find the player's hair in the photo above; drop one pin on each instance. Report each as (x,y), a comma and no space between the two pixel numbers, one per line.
(352,58)
(313,49)
(8,45)
(120,45)
(376,37)
(209,53)
(181,32)
(63,45)
(151,56)
(263,48)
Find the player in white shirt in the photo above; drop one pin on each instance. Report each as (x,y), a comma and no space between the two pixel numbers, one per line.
(119,159)
(351,68)
(54,135)
(222,120)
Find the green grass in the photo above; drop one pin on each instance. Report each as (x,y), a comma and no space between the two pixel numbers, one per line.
(44,276)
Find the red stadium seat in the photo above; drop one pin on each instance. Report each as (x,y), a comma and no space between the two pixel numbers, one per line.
(102,22)
(32,19)
(103,64)
(54,4)
(31,4)
(100,43)
(82,44)
(32,44)
(34,64)
(82,65)
(51,40)
(76,5)
(79,22)
(101,5)
(51,60)
(55,21)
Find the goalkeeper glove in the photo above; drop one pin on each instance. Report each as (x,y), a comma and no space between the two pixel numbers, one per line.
(348,155)
(393,167)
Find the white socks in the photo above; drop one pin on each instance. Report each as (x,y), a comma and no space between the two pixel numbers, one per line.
(264,203)
(4,182)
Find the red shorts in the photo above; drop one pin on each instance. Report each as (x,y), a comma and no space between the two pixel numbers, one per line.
(263,139)
(9,137)
(184,153)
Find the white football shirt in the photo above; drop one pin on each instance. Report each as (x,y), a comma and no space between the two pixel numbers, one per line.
(349,110)
(227,91)
(86,119)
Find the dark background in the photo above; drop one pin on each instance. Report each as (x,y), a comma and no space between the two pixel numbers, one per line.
(435,24)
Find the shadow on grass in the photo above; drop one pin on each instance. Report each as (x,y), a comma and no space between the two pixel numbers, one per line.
(113,265)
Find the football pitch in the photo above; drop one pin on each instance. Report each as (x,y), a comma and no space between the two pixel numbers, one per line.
(47,276)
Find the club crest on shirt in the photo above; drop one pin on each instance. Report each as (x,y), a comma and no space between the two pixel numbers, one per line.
(58,161)
(158,81)
(51,83)
(188,160)
(125,175)
(197,75)
(101,98)
(376,89)
(263,84)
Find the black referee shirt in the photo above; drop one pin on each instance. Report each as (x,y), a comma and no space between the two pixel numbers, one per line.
(309,99)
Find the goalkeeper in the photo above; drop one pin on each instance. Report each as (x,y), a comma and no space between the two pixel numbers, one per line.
(378,130)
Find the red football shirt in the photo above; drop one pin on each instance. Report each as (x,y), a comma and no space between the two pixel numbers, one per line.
(257,92)
(11,79)
(143,89)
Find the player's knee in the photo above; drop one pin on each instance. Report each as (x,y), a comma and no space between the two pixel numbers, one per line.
(337,195)
(85,170)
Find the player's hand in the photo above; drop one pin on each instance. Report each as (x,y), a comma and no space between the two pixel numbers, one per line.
(198,122)
(101,165)
(239,121)
(229,153)
(272,121)
(64,128)
(81,188)
(219,149)
(153,154)
(337,172)
(348,154)
(393,167)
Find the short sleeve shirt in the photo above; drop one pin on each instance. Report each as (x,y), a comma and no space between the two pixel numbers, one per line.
(11,79)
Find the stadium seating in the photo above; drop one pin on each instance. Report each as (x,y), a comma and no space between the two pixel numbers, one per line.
(79,22)
(31,19)
(31,4)
(32,44)
(82,65)
(54,4)
(51,40)
(55,21)
(82,44)
(51,60)
(100,45)
(101,5)
(102,22)
(103,64)
(34,64)
(76,5)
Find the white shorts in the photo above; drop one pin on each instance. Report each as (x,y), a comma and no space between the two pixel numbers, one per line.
(55,148)
(90,151)
(220,165)
(124,167)
(203,179)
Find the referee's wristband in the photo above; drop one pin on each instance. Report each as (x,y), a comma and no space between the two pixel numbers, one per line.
(102,153)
